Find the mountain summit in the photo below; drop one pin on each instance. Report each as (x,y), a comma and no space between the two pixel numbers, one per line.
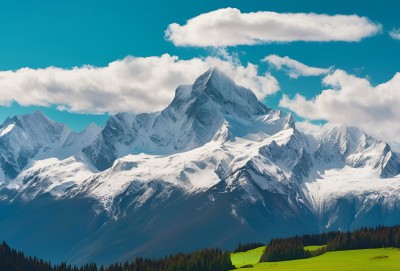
(213,168)
(23,137)
(194,117)
(220,89)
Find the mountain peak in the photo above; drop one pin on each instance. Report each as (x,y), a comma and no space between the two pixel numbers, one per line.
(92,128)
(211,76)
(222,90)
(36,116)
(39,127)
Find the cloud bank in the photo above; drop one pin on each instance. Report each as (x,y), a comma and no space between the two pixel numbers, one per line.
(294,68)
(230,27)
(353,101)
(142,84)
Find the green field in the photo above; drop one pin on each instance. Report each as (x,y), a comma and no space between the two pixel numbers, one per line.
(351,260)
(249,257)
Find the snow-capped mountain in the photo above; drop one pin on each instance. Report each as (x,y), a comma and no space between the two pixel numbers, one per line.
(349,146)
(24,137)
(215,167)
(192,119)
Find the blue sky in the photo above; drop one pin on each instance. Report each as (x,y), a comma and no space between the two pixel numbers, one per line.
(67,34)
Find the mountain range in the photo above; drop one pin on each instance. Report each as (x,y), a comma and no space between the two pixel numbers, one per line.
(213,168)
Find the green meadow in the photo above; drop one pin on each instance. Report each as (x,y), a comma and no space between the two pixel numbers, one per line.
(249,257)
(350,260)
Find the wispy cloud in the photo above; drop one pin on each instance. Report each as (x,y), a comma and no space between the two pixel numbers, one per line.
(294,68)
(395,33)
(353,101)
(133,84)
(230,27)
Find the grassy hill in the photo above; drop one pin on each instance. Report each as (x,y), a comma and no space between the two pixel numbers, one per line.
(249,257)
(351,260)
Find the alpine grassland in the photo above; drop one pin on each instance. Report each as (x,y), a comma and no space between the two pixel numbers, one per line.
(350,260)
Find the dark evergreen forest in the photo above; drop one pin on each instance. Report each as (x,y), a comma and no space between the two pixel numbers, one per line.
(293,248)
(247,246)
(202,260)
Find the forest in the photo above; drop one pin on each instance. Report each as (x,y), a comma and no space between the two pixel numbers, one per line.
(293,248)
(201,260)
(247,246)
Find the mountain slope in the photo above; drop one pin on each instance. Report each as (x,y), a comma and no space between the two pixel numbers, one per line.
(24,137)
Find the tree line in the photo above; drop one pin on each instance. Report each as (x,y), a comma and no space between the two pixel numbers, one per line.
(201,260)
(284,250)
(247,246)
(367,237)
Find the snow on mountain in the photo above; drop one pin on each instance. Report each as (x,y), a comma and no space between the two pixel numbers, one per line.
(117,138)
(193,171)
(342,146)
(215,153)
(75,142)
(23,137)
(192,144)
(353,197)
(6,129)
(192,119)
(50,175)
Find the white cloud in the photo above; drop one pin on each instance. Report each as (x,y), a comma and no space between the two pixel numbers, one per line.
(310,128)
(230,27)
(294,68)
(142,84)
(395,33)
(353,101)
